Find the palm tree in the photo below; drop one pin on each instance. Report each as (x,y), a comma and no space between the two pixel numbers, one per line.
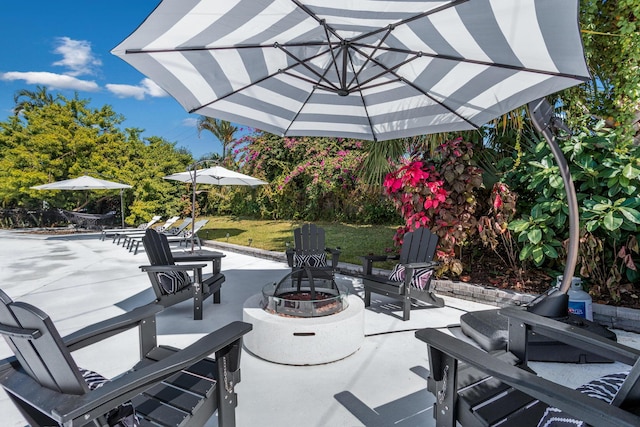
(27,99)
(221,129)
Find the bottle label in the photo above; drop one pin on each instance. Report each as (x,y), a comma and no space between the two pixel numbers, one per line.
(578,308)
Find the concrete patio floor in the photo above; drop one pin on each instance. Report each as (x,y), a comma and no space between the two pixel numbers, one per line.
(79,280)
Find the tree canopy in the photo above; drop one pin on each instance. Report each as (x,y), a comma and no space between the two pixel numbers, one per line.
(51,138)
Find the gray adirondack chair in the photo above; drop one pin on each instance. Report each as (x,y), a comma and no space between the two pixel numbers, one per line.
(310,253)
(165,266)
(168,387)
(477,388)
(416,256)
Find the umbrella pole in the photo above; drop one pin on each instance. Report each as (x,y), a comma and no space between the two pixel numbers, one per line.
(122,206)
(556,304)
(193,209)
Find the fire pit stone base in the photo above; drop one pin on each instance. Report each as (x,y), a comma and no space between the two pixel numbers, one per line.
(304,341)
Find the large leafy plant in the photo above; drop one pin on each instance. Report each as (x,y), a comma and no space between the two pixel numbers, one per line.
(605,168)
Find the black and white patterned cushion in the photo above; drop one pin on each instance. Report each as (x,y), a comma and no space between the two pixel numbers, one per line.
(173,281)
(604,388)
(314,260)
(122,416)
(420,277)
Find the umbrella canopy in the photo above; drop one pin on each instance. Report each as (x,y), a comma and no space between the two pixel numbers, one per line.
(362,69)
(216,175)
(86,182)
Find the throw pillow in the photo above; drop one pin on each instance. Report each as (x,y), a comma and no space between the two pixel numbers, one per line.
(173,281)
(420,277)
(604,388)
(122,416)
(313,260)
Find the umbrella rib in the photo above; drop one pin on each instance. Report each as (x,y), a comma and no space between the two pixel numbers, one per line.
(315,85)
(477,62)
(303,62)
(333,54)
(312,82)
(413,18)
(258,81)
(214,48)
(419,89)
(369,57)
(308,11)
(364,104)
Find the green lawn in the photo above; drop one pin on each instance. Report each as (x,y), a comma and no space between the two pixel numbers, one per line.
(353,240)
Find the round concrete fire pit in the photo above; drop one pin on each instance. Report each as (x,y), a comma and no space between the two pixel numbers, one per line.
(303,340)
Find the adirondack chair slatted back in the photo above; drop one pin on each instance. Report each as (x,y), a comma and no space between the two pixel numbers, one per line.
(309,239)
(418,246)
(38,347)
(157,247)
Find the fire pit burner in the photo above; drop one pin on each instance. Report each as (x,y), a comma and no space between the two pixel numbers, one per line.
(299,294)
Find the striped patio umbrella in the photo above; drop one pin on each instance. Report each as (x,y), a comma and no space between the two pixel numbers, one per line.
(369,69)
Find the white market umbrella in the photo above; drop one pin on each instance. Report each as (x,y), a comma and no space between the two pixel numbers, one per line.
(86,182)
(365,69)
(216,175)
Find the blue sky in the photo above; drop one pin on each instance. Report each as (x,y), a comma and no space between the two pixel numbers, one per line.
(65,46)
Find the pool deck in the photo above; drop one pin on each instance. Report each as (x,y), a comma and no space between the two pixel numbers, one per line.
(78,280)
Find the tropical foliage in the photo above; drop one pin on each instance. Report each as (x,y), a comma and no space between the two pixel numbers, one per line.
(51,138)
(311,179)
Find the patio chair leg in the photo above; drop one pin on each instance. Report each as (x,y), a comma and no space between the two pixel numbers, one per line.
(406,308)
(197,301)
(367,297)
(216,297)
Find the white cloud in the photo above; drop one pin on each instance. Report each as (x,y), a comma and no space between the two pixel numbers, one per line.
(190,122)
(139,92)
(76,56)
(51,80)
(126,91)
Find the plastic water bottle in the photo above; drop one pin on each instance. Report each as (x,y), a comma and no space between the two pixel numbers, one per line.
(580,302)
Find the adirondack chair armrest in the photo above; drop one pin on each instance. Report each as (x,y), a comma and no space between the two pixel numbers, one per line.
(81,409)
(567,333)
(198,257)
(335,256)
(214,257)
(110,327)
(445,351)
(130,384)
(289,253)
(164,268)
(368,260)
(430,264)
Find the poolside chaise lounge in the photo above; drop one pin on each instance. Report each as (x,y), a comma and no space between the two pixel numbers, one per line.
(115,231)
